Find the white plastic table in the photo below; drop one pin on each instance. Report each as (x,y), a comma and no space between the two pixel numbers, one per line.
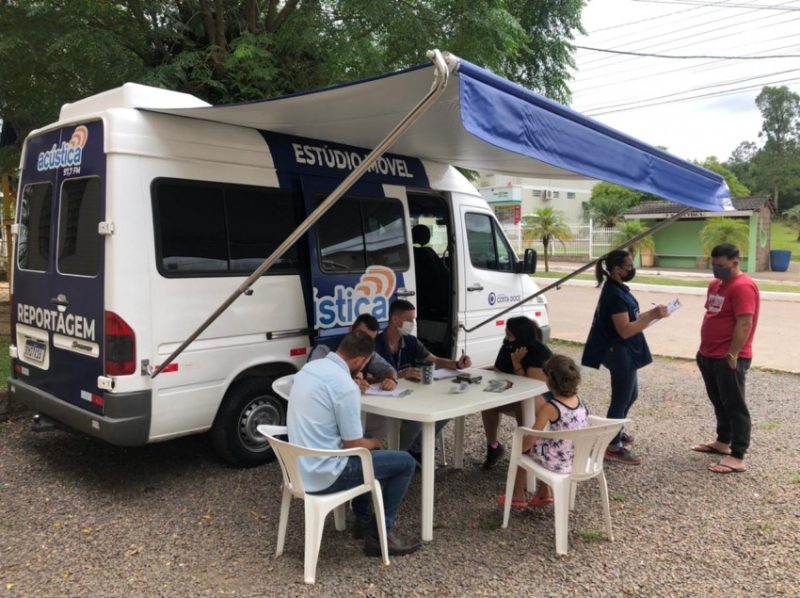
(429,403)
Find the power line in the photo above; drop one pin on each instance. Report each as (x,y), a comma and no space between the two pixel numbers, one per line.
(717,4)
(689,57)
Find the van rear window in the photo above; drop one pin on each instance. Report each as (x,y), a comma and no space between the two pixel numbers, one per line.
(360,232)
(78,239)
(33,252)
(216,229)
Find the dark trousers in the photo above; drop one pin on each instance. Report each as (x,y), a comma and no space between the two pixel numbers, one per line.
(394,470)
(725,388)
(624,385)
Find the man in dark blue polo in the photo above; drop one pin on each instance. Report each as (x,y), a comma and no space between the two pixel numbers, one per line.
(404,352)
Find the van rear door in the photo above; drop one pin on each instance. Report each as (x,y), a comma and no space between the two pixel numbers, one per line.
(57,310)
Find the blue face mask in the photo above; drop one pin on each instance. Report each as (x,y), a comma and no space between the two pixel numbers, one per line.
(723,273)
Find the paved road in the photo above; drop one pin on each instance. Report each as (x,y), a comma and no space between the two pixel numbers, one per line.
(775,345)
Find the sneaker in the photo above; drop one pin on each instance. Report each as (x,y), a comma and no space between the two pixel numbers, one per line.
(622,455)
(397,546)
(493,455)
(626,439)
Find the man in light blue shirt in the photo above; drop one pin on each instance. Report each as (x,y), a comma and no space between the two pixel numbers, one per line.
(325,413)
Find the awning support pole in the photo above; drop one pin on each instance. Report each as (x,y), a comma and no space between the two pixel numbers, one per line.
(441,77)
(557,284)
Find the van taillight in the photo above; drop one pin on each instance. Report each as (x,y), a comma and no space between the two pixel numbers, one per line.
(120,346)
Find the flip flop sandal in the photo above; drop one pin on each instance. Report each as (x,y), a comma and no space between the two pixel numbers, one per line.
(517,504)
(726,469)
(540,501)
(708,449)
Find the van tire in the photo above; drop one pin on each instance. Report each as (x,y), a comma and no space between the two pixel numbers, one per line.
(247,404)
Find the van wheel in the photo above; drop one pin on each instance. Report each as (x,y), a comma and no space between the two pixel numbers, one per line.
(247,405)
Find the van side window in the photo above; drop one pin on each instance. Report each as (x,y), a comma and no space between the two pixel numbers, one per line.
(78,239)
(33,251)
(360,232)
(215,229)
(488,248)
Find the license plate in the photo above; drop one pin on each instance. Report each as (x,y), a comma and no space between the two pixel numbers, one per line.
(35,350)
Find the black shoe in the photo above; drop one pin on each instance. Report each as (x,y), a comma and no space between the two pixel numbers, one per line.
(626,439)
(493,455)
(417,457)
(397,546)
(361,527)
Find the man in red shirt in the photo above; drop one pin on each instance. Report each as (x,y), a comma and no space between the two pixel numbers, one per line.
(726,339)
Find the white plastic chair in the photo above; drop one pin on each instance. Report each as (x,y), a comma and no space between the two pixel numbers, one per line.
(317,506)
(590,446)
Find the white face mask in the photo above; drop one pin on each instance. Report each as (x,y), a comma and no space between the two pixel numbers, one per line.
(407,328)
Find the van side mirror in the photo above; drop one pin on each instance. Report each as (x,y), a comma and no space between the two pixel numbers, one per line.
(528,265)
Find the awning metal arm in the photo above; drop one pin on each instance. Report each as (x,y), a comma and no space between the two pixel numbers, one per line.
(441,77)
(583,268)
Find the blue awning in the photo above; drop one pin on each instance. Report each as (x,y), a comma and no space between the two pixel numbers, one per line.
(481,122)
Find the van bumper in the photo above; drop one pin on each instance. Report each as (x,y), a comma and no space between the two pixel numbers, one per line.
(126,421)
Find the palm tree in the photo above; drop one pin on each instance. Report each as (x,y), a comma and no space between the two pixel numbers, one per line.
(546,224)
(629,229)
(724,230)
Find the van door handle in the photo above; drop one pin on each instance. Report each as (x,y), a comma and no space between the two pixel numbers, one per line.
(475,287)
(404,292)
(61,300)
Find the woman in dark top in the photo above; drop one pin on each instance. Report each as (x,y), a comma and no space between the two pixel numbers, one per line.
(523,353)
(616,342)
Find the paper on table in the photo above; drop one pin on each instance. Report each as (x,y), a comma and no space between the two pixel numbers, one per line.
(444,373)
(375,391)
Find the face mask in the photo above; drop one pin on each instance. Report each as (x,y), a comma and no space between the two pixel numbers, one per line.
(407,328)
(509,345)
(723,273)
(628,276)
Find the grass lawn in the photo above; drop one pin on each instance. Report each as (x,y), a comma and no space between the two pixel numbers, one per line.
(784,237)
(5,360)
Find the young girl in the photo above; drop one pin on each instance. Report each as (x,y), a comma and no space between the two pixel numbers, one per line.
(564,411)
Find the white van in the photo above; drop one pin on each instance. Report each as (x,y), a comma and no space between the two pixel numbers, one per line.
(133,226)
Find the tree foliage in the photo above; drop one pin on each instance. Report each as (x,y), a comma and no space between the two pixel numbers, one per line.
(724,230)
(792,219)
(609,202)
(545,225)
(737,188)
(630,229)
(231,50)
(774,168)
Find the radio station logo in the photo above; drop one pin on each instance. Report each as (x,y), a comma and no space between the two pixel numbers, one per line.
(69,154)
(371,294)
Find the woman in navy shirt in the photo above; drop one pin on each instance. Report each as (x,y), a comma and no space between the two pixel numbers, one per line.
(616,342)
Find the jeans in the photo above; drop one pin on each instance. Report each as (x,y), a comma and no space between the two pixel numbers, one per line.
(411,434)
(624,385)
(394,470)
(725,388)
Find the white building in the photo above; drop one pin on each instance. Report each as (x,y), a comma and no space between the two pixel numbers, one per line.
(513,197)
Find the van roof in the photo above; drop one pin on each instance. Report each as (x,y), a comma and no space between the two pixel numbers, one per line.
(130,95)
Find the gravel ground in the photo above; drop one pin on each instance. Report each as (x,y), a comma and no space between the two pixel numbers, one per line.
(81,518)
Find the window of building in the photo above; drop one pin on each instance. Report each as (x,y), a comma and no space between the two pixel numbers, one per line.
(33,252)
(556,194)
(537,193)
(570,195)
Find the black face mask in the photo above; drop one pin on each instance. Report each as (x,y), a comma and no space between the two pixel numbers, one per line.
(510,345)
(628,276)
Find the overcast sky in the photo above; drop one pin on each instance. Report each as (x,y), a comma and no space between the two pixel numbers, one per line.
(649,97)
